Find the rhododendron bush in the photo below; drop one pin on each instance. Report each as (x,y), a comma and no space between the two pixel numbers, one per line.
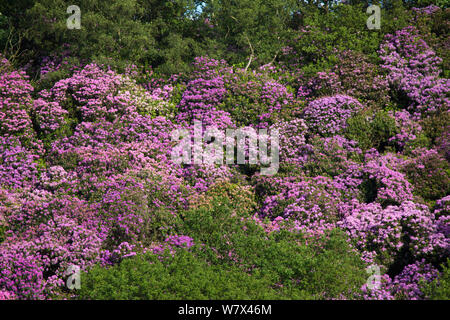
(88,178)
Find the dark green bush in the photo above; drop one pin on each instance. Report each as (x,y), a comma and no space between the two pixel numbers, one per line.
(3,229)
(430,175)
(434,126)
(234,259)
(371,131)
(183,276)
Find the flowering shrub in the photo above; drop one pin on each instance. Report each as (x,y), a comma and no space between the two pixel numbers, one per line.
(409,131)
(382,292)
(443,206)
(201,97)
(411,284)
(328,116)
(291,139)
(87,178)
(407,284)
(331,156)
(383,181)
(413,70)
(13,153)
(34,266)
(48,116)
(312,205)
(392,234)
(15,105)
(254,98)
(5,295)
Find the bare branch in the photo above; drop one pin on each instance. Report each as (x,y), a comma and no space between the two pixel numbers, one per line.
(252,54)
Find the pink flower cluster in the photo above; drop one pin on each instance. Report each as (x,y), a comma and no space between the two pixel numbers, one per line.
(86,175)
(328,115)
(413,70)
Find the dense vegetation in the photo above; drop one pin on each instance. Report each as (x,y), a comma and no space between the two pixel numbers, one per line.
(86,176)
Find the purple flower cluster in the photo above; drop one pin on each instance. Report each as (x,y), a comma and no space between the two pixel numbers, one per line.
(292,139)
(427,10)
(409,129)
(384,235)
(391,185)
(413,69)
(86,175)
(203,95)
(5,295)
(328,115)
(89,197)
(15,103)
(311,204)
(407,285)
(49,116)
(180,241)
(49,238)
(18,166)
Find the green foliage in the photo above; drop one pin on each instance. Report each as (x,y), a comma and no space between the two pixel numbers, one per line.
(233,259)
(371,131)
(169,34)
(254,30)
(283,256)
(439,289)
(434,125)
(112,32)
(322,35)
(183,276)
(3,229)
(4,31)
(430,176)
(240,197)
